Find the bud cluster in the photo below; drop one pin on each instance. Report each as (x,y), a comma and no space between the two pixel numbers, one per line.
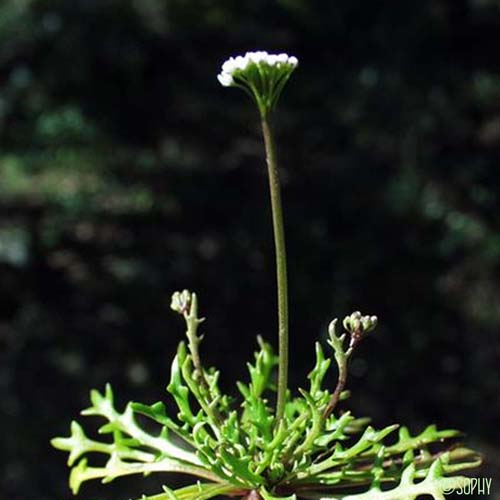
(181,302)
(358,325)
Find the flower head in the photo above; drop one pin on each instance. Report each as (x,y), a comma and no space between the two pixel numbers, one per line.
(260,74)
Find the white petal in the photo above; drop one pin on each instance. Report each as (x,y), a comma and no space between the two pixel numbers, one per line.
(252,56)
(241,62)
(293,61)
(225,79)
(228,66)
(272,60)
(257,57)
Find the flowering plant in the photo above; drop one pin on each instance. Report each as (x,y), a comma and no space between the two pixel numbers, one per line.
(300,447)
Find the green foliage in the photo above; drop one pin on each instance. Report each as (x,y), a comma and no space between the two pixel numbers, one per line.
(236,447)
(299,447)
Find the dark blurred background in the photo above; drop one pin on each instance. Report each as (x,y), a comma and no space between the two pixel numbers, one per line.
(128,172)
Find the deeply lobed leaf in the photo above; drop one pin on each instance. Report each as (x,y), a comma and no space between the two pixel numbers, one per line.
(243,449)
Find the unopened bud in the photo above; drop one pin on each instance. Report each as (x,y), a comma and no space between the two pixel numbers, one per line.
(368,323)
(358,324)
(181,302)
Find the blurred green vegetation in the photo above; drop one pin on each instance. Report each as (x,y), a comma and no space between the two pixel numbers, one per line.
(127,172)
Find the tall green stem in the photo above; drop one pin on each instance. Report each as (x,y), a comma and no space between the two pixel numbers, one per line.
(281,275)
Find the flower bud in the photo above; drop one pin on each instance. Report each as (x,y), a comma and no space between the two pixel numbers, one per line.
(368,323)
(181,302)
(357,324)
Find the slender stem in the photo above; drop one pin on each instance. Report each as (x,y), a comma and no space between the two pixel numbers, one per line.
(338,390)
(281,274)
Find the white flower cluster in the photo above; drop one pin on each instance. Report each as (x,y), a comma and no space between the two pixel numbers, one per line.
(241,63)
